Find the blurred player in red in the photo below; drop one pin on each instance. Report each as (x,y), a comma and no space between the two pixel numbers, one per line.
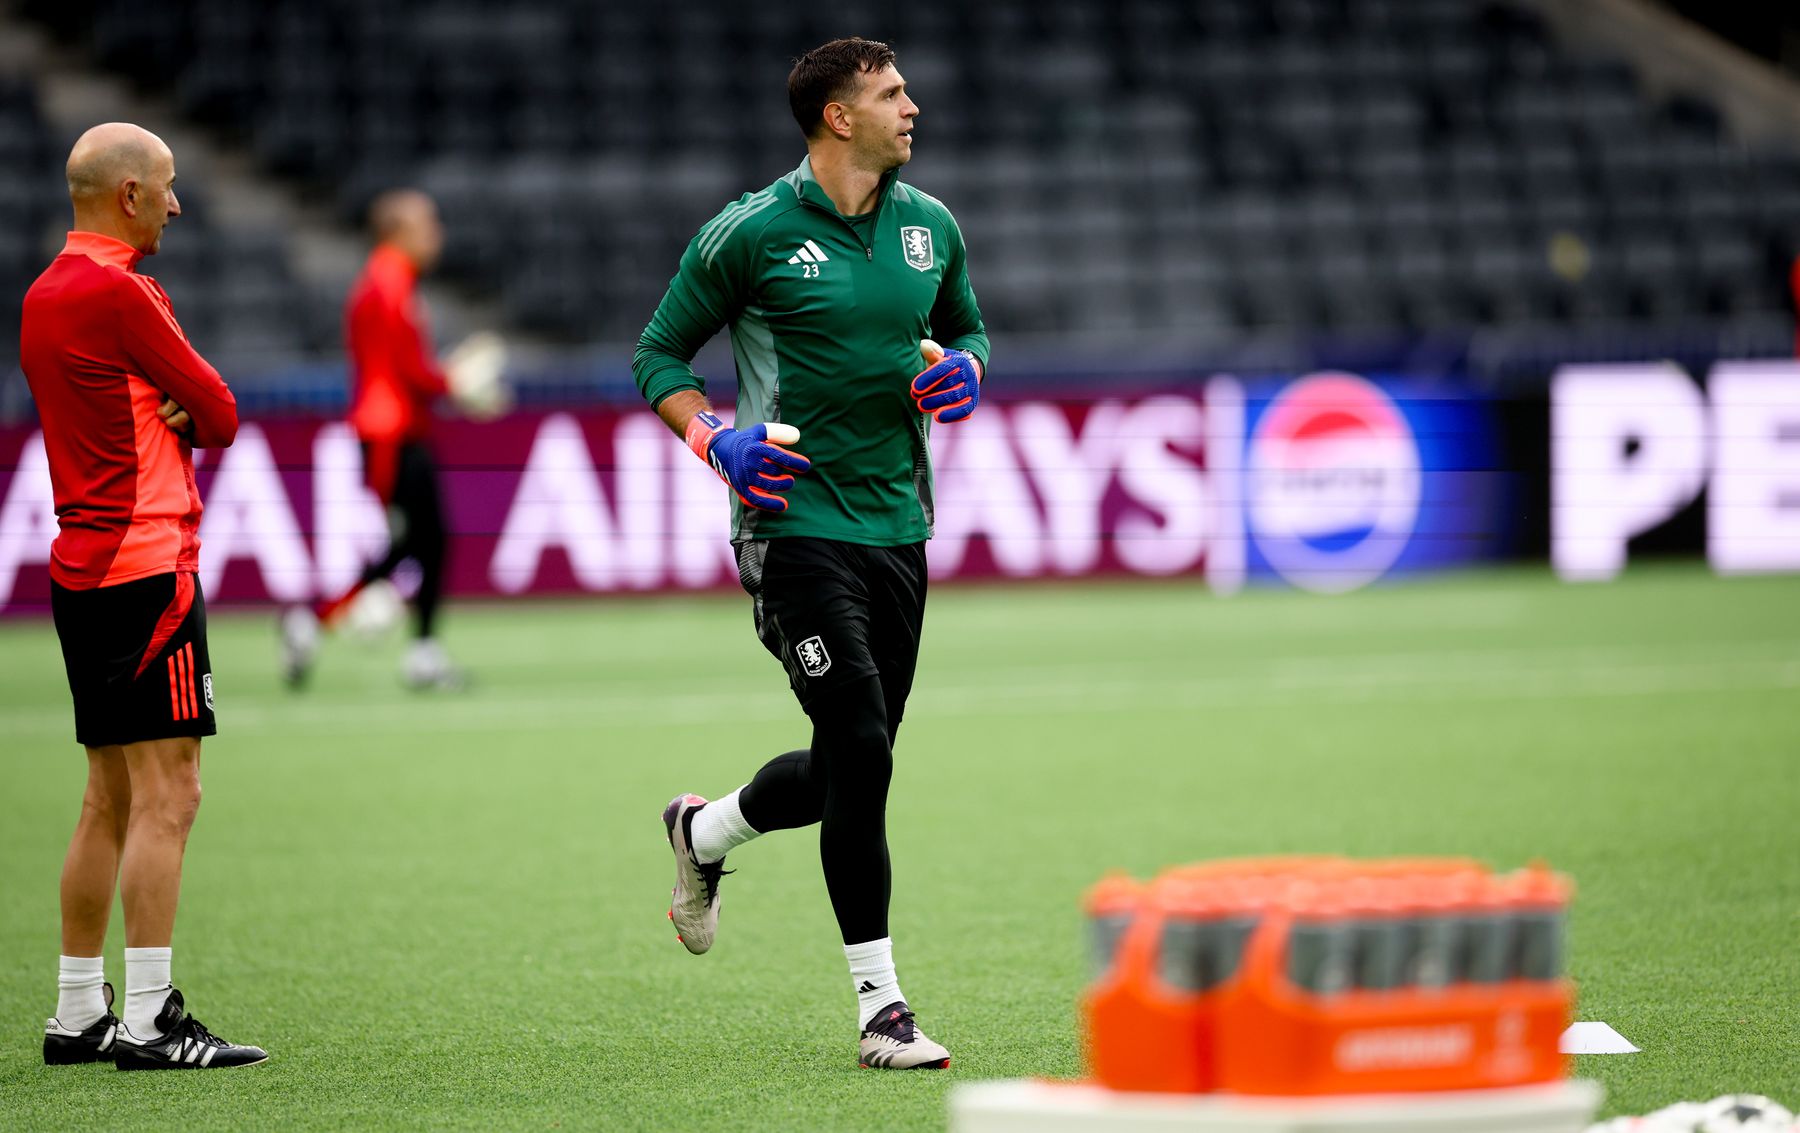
(1794,291)
(124,400)
(395,378)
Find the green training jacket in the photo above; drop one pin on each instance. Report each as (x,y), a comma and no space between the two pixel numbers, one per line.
(826,313)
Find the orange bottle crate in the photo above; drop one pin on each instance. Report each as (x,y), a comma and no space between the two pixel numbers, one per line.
(1277,1039)
(1197,993)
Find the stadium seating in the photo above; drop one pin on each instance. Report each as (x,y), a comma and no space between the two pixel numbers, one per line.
(31,199)
(1134,168)
(234,288)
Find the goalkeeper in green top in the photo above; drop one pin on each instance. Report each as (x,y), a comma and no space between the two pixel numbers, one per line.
(834,281)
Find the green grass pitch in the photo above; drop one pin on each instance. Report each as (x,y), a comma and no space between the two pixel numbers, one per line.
(448,912)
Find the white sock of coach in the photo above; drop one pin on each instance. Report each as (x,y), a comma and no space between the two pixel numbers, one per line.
(146,990)
(719,828)
(872,975)
(79,1000)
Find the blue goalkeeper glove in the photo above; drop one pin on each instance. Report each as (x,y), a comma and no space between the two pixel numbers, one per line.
(751,460)
(950,387)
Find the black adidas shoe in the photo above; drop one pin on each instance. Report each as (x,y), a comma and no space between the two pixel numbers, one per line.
(66,1047)
(892,1041)
(185,1044)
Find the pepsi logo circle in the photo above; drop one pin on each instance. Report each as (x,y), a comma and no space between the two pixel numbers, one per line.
(1333,482)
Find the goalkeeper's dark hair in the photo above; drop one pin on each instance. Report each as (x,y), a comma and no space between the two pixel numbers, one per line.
(830,73)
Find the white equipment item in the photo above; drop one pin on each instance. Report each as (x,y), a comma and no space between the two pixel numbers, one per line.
(375,611)
(1057,1107)
(1595,1038)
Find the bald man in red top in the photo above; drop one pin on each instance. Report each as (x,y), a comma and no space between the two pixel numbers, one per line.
(124,399)
(394,373)
(395,379)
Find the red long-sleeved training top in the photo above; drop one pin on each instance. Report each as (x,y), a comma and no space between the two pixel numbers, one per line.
(101,349)
(393,373)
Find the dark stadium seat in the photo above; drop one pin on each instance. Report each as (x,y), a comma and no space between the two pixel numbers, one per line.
(1337,166)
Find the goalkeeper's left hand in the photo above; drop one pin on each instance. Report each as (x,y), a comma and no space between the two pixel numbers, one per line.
(950,386)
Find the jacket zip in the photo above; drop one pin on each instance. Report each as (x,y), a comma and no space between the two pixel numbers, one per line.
(868,252)
(880,199)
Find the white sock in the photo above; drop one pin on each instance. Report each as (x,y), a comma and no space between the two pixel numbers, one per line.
(79,1000)
(872,975)
(146,990)
(719,828)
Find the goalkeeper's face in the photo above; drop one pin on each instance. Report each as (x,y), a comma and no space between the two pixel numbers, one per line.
(420,233)
(882,121)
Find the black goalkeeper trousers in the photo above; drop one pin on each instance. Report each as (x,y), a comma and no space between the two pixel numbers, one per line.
(415,529)
(844,619)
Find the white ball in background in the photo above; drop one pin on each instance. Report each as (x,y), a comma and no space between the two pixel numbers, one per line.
(1745,1113)
(1732,1113)
(375,611)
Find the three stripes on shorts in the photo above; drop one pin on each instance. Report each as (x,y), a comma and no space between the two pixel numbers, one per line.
(183,704)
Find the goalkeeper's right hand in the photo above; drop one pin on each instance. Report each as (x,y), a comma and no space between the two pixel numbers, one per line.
(750,460)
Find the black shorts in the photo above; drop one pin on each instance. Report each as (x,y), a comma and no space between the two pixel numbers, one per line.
(402,474)
(833,612)
(136,658)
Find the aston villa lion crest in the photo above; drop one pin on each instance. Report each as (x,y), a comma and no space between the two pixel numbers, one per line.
(917,242)
(813,658)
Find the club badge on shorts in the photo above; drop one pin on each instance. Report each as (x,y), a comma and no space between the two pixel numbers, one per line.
(917,243)
(813,658)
